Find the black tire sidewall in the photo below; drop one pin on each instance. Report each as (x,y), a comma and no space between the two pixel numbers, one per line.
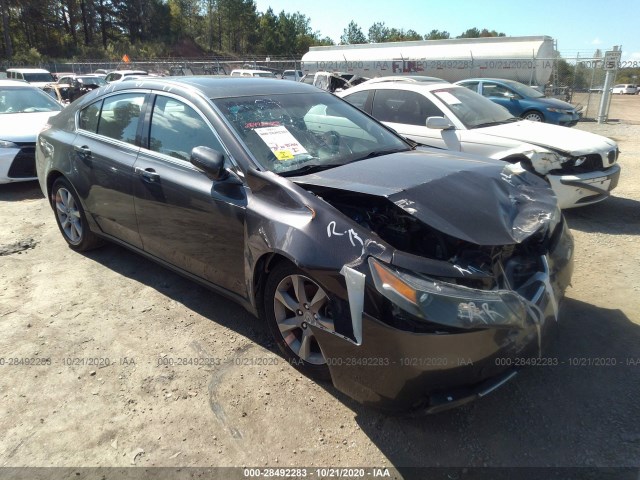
(88,238)
(280,271)
(525,114)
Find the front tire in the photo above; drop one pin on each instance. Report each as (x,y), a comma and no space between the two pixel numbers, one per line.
(533,116)
(292,300)
(70,217)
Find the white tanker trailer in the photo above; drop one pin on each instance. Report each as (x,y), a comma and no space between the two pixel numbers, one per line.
(525,59)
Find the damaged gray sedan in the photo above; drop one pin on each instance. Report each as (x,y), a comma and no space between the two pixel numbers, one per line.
(412,278)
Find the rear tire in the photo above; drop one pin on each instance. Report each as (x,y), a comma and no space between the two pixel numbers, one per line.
(291,301)
(70,217)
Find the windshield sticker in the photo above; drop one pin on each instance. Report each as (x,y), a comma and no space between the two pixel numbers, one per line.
(283,145)
(283,155)
(262,124)
(448,98)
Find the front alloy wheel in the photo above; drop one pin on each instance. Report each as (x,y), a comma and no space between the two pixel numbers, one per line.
(533,117)
(293,302)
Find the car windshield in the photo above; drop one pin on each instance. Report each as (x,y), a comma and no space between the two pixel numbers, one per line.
(26,100)
(301,133)
(472,109)
(525,91)
(263,74)
(38,77)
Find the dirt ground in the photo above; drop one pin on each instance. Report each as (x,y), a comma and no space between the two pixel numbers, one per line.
(104,384)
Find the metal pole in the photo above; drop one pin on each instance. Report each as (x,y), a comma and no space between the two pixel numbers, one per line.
(603,111)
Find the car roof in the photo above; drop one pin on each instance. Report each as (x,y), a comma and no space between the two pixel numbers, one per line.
(130,72)
(15,83)
(220,86)
(409,86)
(482,79)
(28,70)
(407,79)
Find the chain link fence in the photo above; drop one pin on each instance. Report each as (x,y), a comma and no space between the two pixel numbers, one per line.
(578,79)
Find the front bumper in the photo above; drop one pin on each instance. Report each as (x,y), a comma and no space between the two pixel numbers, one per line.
(566,120)
(393,369)
(17,164)
(584,188)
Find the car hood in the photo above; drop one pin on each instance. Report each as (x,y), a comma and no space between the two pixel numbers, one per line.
(553,102)
(23,127)
(471,198)
(555,137)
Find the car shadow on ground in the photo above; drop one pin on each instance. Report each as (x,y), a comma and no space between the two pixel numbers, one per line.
(15,192)
(195,297)
(615,215)
(583,411)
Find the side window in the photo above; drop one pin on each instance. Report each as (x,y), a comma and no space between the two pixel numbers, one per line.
(399,106)
(119,117)
(494,90)
(358,99)
(88,118)
(473,86)
(176,129)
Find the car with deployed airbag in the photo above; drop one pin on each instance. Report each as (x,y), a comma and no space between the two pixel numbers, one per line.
(412,278)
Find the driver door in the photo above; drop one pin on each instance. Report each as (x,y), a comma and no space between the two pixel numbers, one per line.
(185,218)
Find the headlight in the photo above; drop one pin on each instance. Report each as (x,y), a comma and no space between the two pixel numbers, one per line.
(448,304)
(561,110)
(7,144)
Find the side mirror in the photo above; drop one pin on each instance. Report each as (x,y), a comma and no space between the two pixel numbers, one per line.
(209,161)
(439,123)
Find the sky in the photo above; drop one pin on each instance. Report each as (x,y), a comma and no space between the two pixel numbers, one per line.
(577,26)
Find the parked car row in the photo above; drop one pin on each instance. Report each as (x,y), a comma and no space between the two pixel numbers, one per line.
(376,260)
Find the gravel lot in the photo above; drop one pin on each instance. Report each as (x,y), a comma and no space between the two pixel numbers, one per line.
(112,306)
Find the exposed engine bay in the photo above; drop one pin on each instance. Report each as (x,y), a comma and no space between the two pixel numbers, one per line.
(480,267)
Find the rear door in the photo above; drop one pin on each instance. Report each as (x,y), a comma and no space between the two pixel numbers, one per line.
(184,217)
(105,150)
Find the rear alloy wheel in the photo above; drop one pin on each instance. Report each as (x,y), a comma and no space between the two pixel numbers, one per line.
(533,116)
(70,217)
(292,301)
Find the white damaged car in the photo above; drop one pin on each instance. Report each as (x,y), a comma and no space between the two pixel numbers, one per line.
(581,167)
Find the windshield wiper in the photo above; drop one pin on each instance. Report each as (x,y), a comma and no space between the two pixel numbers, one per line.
(491,124)
(379,153)
(309,168)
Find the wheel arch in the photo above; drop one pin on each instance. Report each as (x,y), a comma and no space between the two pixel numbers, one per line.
(262,267)
(51,178)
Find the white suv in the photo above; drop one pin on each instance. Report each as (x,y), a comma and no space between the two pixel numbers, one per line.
(38,77)
(625,89)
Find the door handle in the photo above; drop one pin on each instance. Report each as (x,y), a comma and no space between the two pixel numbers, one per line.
(148,174)
(83,151)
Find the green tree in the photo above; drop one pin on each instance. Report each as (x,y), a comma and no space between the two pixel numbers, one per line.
(352,34)
(437,35)
(378,33)
(475,33)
